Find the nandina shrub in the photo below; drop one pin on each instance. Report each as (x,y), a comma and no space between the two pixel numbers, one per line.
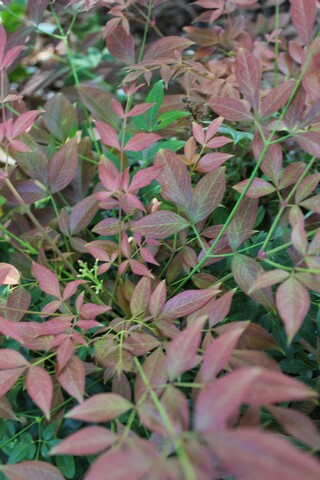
(160,240)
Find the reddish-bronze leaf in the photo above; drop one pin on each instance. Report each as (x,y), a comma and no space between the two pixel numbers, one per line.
(48,281)
(86,441)
(207,195)
(246,270)
(248,73)
(40,388)
(221,400)
(231,109)
(72,378)
(121,45)
(257,454)
(293,303)
(8,378)
(174,179)
(161,224)
(303,15)
(297,424)
(240,227)
(182,351)
(62,166)
(188,302)
(31,469)
(101,407)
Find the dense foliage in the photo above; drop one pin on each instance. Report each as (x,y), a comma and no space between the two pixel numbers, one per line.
(160,240)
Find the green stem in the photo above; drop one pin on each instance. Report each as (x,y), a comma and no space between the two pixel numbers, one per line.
(267,143)
(52,244)
(185,463)
(282,209)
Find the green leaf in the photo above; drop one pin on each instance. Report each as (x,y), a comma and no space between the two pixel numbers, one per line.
(156,96)
(49,432)
(235,135)
(167,118)
(66,465)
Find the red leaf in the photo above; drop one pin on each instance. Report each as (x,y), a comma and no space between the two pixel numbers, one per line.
(293,303)
(218,142)
(140,343)
(101,407)
(144,177)
(108,134)
(165,48)
(303,16)
(182,351)
(276,98)
(139,269)
(310,142)
(306,187)
(291,174)
(267,279)
(221,400)
(297,424)
(213,128)
(11,55)
(24,122)
(258,188)
(261,455)
(198,133)
(273,387)
(245,271)
(158,299)
(220,308)
(240,227)
(218,353)
(248,74)
(71,288)
(72,378)
(48,281)
(86,441)
(31,470)
(89,311)
(140,109)
(6,409)
(82,214)
(40,388)
(10,329)
(231,109)
(64,353)
(99,103)
(154,368)
(312,203)
(9,275)
(141,141)
(140,463)
(3,42)
(271,164)
(174,179)
(121,45)
(19,300)
(161,224)
(62,166)
(211,161)
(207,195)
(11,359)
(140,298)
(187,302)
(311,81)
(8,378)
